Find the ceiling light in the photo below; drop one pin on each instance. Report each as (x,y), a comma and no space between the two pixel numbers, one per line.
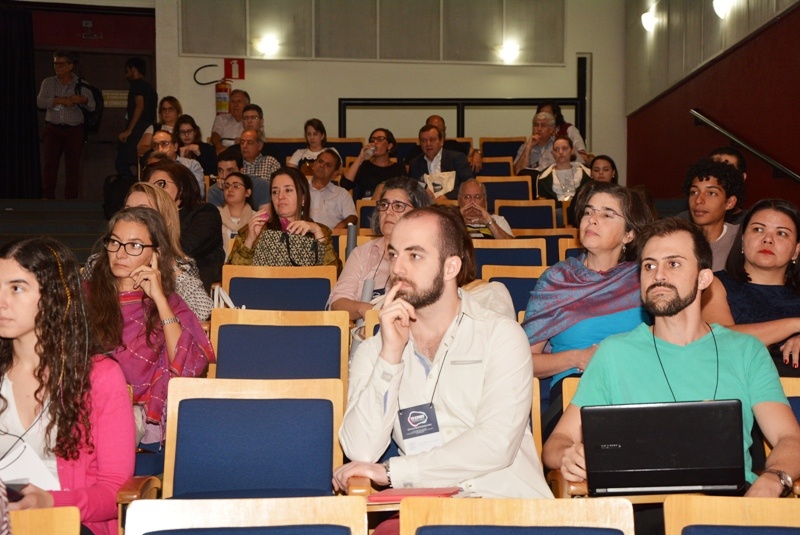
(267,45)
(722,7)
(649,19)
(509,52)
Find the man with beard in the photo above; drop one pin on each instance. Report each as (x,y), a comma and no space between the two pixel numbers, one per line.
(448,380)
(681,358)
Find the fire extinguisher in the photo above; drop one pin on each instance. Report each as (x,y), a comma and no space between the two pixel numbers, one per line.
(222,93)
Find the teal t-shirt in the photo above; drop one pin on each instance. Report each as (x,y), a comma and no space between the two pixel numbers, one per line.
(626,369)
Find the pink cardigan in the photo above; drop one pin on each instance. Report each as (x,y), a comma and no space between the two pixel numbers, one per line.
(91,482)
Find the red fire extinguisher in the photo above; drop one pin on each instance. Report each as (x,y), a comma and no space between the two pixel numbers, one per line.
(222,92)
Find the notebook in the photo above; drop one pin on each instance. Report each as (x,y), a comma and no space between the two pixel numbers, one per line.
(664,448)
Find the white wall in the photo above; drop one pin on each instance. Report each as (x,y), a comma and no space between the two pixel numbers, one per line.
(292,91)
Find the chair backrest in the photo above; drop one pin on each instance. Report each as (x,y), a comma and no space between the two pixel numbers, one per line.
(569,248)
(501,146)
(505,187)
(791,387)
(496,166)
(51,520)
(286,146)
(404,147)
(371,322)
(746,514)
(272,344)
(242,438)
(480,516)
(551,237)
(279,288)
(464,144)
(360,240)
(536,417)
(346,146)
(519,280)
(528,214)
(364,210)
(512,252)
(568,388)
(319,515)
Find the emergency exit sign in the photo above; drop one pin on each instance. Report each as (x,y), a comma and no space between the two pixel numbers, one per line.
(234,69)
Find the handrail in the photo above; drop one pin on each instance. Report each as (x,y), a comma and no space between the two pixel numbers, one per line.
(735,140)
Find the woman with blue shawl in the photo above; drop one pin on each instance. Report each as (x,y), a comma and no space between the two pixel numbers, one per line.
(577,303)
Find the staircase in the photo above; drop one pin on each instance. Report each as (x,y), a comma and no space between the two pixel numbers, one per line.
(77,224)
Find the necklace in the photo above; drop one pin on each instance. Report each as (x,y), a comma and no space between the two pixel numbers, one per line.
(716,349)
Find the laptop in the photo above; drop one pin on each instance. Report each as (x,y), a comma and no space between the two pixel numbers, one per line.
(664,448)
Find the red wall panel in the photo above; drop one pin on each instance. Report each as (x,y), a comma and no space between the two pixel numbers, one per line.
(61,29)
(751,91)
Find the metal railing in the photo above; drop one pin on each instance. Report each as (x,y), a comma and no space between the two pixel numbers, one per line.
(779,170)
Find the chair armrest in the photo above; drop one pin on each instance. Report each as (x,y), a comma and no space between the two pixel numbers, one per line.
(359,486)
(138,487)
(562,488)
(796,490)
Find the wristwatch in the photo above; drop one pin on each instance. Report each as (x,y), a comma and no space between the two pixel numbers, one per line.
(785,479)
(385,465)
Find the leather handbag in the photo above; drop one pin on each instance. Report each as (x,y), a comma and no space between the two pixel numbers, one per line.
(278,248)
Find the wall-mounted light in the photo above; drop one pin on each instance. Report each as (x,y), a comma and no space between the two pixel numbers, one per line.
(267,45)
(509,52)
(649,19)
(722,7)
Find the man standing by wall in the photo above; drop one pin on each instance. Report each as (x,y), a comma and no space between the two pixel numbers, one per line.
(141,113)
(63,130)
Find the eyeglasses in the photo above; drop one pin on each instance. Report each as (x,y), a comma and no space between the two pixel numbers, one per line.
(397,206)
(163,144)
(167,108)
(377,138)
(131,248)
(61,63)
(604,213)
(250,117)
(477,197)
(186,132)
(248,142)
(163,183)
(234,185)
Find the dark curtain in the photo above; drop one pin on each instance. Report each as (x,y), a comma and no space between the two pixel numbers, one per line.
(20,174)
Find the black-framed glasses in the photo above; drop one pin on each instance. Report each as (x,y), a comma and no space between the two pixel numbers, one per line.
(377,138)
(163,183)
(477,197)
(186,132)
(398,207)
(162,144)
(131,248)
(167,108)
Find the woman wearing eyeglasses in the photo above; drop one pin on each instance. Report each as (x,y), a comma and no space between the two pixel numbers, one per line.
(288,213)
(373,165)
(201,225)
(169,109)
(577,303)
(192,147)
(368,264)
(137,316)
(238,209)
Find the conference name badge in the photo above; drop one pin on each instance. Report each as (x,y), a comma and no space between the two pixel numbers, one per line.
(419,428)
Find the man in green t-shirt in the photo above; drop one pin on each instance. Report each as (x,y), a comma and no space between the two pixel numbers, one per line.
(681,358)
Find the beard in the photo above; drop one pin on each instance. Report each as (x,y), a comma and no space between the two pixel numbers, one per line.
(668,307)
(421,299)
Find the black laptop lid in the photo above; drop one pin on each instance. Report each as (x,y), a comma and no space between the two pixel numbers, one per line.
(664,447)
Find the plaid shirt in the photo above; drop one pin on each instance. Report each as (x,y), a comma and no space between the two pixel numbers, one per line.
(262,166)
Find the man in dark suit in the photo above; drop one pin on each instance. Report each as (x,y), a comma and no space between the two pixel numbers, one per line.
(435,159)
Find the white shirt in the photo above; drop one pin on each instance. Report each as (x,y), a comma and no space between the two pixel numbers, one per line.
(331,204)
(228,128)
(197,170)
(435,165)
(484,372)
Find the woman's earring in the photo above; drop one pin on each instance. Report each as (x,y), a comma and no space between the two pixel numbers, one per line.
(623,248)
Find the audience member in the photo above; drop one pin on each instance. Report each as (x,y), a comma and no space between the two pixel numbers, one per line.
(604,169)
(682,358)
(759,291)
(561,180)
(254,163)
(140,113)
(316,139)
(734,157)
(167,143)
(473,155)
(230,161)
(137,316)
(373,165)
(331,205)
(64,98)
(201,225)
(169,109)
(64,403)
(227,127)
(563,128)
(253,119)
(483,441)
(580,301)
(368,264)
(473,202)
(192,147)
(714,188)
(537,152)
(238,209)
(289,214)
(442,166)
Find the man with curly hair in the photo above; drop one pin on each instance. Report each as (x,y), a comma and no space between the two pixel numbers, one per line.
(714,188)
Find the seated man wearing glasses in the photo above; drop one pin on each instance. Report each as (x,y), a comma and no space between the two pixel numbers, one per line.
(474,209)
(254,163)
(167,143)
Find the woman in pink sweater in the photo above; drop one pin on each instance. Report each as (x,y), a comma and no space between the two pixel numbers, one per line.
(65,415)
